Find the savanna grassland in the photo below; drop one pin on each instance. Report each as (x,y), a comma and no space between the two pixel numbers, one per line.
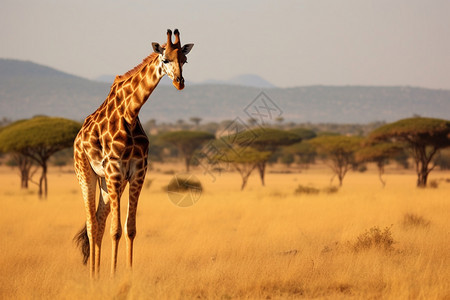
(362,242)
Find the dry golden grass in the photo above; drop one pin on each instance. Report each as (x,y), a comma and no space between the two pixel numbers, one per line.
(264,242)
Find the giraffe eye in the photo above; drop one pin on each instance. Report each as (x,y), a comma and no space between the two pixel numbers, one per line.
(166,61)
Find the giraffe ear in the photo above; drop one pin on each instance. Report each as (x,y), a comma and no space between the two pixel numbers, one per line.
(187,48)
(157,48)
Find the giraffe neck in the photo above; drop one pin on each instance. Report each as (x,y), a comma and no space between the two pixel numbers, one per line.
(129,94)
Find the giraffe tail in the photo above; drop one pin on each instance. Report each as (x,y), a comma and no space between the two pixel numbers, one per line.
(82,241)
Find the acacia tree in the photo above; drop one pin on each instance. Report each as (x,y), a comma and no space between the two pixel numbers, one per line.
(303,150)
(39,138)
(24,163)
(339,151)
(424,137)
(186,142)
(379,153)
(243,160)
(264,140)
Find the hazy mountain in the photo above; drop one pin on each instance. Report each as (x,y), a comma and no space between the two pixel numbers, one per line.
(28,89)
(249,80)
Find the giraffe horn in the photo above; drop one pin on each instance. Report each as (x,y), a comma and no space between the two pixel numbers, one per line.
(177,36)
(169,37)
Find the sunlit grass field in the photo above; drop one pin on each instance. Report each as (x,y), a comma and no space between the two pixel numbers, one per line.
(261,243)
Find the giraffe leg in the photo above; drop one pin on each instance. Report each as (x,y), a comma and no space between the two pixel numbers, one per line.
(103,210)
(88,180)
(115,184)
(130,229)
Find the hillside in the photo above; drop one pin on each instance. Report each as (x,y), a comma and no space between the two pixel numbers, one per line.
(28,89)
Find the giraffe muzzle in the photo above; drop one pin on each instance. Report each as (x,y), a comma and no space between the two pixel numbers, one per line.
(179,83)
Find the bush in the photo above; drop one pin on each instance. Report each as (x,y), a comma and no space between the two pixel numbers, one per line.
(374,238)
(331,189)
(414,221)
(184,183)
(433,184)
(301,189)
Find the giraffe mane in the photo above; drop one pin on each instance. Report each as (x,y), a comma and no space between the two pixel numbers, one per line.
(138,68)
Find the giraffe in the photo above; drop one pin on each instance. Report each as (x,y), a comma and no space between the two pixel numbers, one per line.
(111,149)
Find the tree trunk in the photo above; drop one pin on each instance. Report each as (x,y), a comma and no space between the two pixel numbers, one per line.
(244,182)
(262,170)
(43,186)
(422,178)
(186,162)
(380,165)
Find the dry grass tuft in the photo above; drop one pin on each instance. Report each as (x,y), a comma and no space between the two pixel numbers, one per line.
(414,221)
(374,238)
(302,189)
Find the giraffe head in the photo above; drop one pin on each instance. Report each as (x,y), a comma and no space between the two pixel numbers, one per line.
(173,57)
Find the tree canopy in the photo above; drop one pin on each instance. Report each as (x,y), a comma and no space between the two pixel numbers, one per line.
(244,160)
(303,133)
(39,138)
(423,136)
(379,153)
(339,150)
(186,142)
(263,139)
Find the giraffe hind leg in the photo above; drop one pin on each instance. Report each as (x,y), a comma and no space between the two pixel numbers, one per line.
(87,180)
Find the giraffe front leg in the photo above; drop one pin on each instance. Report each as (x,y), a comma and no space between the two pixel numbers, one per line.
(115,185)
(130,229)
(103,210)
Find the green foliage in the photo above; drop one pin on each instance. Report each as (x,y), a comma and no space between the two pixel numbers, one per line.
(304,150)
(186,142)
(336,144)
(378,152)
(38,139)
(246,155)
(267,139)
(287,159)
(424,137)
(339,151)
(443,159)
(185,138)
(416,130)
(39,132)
(304,133)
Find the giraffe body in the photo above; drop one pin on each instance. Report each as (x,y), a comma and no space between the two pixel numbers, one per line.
(111,150)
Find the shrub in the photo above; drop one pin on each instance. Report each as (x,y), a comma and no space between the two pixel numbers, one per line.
(301,189)
(433,184)
(331,189)
(414,221)
(184,183)
(374,238)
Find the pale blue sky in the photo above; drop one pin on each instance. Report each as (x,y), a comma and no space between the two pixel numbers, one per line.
(288,42)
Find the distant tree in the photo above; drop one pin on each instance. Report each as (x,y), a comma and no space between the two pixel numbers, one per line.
(252,121)
(279,120)
(26,168)
(39,138)
(243,160)
(443,159)
(287,159)
(186,142)
(195,120)
(304,133)
(379,153)
(264,140)
(424,137)
(304,151)
(338,151)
